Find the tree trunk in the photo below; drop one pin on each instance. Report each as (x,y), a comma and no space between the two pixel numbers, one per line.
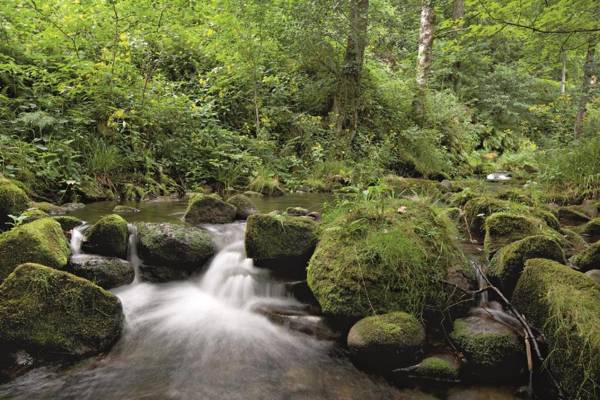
(563,75)
(458,9)
(458,12)
(347,99)
(424,57)
(589,83)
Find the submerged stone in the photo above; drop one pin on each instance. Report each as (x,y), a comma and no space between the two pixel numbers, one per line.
(385,342)
(565,305)
(13,201)
(210,209)
(54,315)
(108,237)
(244,206)
(280,242)
(508,263)
(106,272)
(172,251)
(495,353)
(588,258)
(40,241)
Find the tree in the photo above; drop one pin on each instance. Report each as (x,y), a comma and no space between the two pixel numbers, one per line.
(424,57)
(590,79)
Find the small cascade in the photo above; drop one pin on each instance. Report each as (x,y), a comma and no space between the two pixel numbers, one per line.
(132,252)
(481,283)
(77,238)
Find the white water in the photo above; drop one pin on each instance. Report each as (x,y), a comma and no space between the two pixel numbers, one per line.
(202,339)
(77,238)
(132,252)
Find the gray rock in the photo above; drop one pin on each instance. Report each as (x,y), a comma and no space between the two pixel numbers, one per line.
(106,272)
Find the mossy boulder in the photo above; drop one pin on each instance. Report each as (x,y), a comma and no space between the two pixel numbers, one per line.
(67,222)
(495,353)
(385,342)
(565,305)
(592,228)
(55,315)
(574,242)
(40,241)
(107,237)
(49,208)
(588,258)
(594,274)
(106,272)
(461,198)
(125,210)
(281,242)
(244,206)
(297,211)
(31,214)
(172,251)
(504,228)
(406,187)
(517,196)
(508,263)
(373,259)
(210,209)
(478,209)
(572,215)
(13,201)
(439,367)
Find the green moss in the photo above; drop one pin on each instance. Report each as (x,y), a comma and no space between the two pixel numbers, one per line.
(278,240)
(55,315)
(478,209)
(517,196)
(592,228)
(573,214)
(438,367)
(204,208)
(575,243)
(244,206)
(13,201)
(31,214)
(461,198)
(40,241)
(266,185)
(49,208)
(108,237)
(565,305)
(508,263)
(67,222)
(373,259)
(588,258)
(407,187)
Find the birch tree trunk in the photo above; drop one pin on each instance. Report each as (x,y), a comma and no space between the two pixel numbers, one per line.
(424,57)
(589,83)
(563,74)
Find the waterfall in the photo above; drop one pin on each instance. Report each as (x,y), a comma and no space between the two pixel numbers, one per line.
(132,252)
(77,238)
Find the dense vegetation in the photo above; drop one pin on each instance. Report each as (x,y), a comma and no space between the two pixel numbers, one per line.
(139,98)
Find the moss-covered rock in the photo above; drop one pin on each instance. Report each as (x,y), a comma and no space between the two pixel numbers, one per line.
(106,272)
(572,215)
(508,263)
(67,222)
(90,190)
(407,187)
(40,241)
(209,208)
(495,353)
(592,228)
(574,242)
(107,237)
(125,210)
(55,315)
(13,201)
(281,242)
(478,209)
(565,305)
(594,274)
(517,196)
(244,206)
(297,211)
(461,198)
(49,208)
(172,251)
(385,342)
(31,214)
(504,228)
(439,367)
(373,259)
(588,258)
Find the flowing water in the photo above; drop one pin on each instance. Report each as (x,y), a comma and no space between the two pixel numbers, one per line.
(203,339)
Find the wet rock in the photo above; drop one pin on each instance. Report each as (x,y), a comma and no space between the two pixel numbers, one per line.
(508,263)
(385,342)
(106,272)
(243,205)
(494,352)
(438,367)
(119,209)
(171,251)
(209,209)
(588,259)
(250,193)
(49,208)
(90,191)
(574,242)
(55,315)
(281,243)
(297,211)
(14,364)
(40,241)
(13,201)
(572,215)
(314,215)
(68,222)
(482,393)
(592,228)
(31,214)
(107,237)
(301,291)
(70,207)
(594,274)
(479,208)
(565,305)
(311,325)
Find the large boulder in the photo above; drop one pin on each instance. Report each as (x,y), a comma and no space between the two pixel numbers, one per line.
(592,228)
(55,315)
(377,260)
(68,222)
(209,209)
(386,342)
(508,263)
(106,272)
(244,206)
(588,259)
(13,201)
(479,208)
(565,305)
(172,252)
(40,241)
(495,353)
(281,242)
(107,237)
